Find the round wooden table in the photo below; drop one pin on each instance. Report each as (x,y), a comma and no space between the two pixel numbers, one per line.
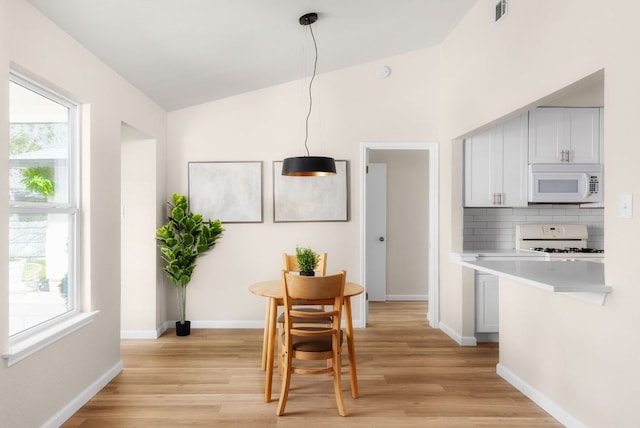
(273,291)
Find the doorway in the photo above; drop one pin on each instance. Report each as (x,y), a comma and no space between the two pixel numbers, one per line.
(430,198)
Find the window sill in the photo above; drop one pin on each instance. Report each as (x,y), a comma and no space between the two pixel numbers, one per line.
(24,348)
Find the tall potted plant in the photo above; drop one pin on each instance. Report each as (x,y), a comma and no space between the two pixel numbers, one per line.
(307,261)
(181,241)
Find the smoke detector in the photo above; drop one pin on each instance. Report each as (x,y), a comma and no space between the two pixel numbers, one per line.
(500,10)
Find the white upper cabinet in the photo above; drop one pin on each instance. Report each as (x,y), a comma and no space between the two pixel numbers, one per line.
(495,170)
(564,135)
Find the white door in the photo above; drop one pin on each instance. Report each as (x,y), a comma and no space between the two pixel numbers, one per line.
(376,229)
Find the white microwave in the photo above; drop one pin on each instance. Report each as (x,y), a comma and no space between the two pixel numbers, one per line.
(565,183)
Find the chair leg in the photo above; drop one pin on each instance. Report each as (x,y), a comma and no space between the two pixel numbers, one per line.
(286,382)
(337,364)
(280,355)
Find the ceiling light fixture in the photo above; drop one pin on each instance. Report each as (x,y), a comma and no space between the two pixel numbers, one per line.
(305,166)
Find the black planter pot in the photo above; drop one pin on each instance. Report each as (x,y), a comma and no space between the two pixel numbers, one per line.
(304,273)
(183,329)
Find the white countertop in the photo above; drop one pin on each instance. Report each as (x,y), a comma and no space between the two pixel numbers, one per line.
(582,279)
(512,254)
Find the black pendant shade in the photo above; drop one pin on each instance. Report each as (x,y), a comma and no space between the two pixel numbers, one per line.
(308,166)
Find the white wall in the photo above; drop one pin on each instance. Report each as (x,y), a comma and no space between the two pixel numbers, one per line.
(581,357)
(35,389)
(139,318)
(350,106)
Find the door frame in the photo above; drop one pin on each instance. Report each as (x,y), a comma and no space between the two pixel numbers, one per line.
(433,289)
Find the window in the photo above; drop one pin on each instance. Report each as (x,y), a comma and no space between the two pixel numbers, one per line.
(43,209)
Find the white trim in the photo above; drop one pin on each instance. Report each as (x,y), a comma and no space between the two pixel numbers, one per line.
(433,312)
(460,340)
(138,334)
(539,398)
(407,297)
(488,337)
(81,399)
(212,324)
(144,334)
(29,345)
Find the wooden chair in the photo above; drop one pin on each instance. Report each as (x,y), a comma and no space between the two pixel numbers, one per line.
(290,264)
(319,343)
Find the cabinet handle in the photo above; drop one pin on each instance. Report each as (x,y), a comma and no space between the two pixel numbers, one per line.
(501,198)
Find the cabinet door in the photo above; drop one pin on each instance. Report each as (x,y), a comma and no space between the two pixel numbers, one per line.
(495,170)
(514,162)
(582,131)
(479,152)
(487,297)
(546,135)
(564,134)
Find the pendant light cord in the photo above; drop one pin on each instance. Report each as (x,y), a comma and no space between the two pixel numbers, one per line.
(315,65)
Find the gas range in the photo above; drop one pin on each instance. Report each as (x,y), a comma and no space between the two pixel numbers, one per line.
(557,241)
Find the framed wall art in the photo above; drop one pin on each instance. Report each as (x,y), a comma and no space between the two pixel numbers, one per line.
(228,191)
(323,198)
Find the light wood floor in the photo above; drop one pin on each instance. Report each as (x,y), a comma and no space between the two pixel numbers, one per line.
(409,376)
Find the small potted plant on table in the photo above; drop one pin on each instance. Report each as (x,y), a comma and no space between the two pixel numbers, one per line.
(181,241)
(307,261)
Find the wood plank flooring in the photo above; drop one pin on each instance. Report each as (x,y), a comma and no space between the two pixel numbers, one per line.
(409,376)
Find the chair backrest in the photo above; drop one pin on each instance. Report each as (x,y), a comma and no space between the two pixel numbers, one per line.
(320,290)
(290,263)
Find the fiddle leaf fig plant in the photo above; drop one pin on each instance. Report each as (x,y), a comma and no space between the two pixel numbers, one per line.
(185,237)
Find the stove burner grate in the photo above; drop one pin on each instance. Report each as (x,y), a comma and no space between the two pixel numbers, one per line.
(568,250)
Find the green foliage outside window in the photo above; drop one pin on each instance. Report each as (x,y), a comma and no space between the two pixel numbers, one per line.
(39,179)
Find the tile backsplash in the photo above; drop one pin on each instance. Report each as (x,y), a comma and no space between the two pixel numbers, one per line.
(494,228)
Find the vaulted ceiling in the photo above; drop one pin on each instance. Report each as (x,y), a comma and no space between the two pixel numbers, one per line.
(186,52)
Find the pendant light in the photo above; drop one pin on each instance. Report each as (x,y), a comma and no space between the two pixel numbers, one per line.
(305,166)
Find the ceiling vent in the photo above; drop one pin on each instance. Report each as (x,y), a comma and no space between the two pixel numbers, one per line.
(500,10)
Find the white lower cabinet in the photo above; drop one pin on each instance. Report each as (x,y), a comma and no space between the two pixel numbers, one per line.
(486,303)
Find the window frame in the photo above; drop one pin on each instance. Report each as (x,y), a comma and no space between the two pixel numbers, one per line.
(27,341)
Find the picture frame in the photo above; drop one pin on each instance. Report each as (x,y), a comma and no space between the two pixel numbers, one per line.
(311,199)
(227,191)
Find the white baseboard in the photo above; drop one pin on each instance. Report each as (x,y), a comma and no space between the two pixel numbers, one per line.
(461,340)
(74,405)
(138,334)
(488,337)
(150,334)
(407,297)
(144,334)
(217,324)
(539,398)
(225,324)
